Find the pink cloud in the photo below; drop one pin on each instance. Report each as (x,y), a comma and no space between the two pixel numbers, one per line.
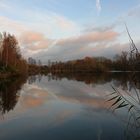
(30,37)
(34,40)
(92,37)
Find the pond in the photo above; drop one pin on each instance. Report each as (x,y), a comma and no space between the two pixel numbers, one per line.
(70,107)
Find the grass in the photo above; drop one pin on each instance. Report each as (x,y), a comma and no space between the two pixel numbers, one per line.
(131,103)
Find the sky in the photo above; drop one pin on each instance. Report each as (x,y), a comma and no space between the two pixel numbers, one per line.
(71,29)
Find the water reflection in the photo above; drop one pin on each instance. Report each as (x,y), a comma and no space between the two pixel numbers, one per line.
(68,106)
(9,88)
(126,80)
(129,103)
(34,78)
(126,100)
(9,93)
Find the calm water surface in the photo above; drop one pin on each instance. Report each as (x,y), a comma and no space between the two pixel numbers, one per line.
(68,107)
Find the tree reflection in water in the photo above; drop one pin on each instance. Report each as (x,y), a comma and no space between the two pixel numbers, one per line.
(127,101)
(10,92)
(34,78)
(126,80)
(129,82)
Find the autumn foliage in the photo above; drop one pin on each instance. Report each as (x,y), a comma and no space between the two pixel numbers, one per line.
(121,62)
(10,56)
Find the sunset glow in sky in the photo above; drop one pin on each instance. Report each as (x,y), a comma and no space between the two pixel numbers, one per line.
(71,29)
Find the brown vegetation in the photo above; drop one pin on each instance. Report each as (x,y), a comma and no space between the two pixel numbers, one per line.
(122,62)
(11,60)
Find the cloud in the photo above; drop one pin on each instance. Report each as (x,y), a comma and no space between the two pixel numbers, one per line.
(35,34)
(51,24)
(64,23)
(98,5)
(31,37)
(96,43)
(93,42)
(101,28)
(92,37)
(47,35)
(86,44)
(34,41)
(7,24)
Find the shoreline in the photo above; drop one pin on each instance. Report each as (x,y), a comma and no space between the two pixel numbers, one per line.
(9,75)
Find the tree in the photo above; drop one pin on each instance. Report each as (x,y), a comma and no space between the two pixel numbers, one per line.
(10,55)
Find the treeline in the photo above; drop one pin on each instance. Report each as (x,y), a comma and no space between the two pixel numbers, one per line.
(123,62)
(126,61)
(11,60)
(35,67)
